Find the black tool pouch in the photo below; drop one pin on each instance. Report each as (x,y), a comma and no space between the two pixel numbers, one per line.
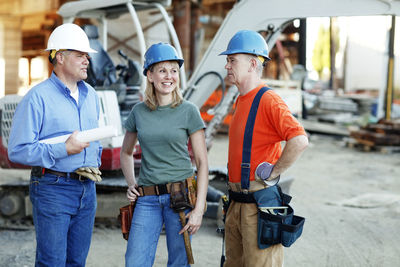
(276,226)
(37,171)
(179,197)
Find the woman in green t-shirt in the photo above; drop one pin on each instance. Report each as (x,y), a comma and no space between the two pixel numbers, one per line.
(162,124)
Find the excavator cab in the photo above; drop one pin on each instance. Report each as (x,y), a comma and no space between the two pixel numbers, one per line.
(124,79)
(101,70)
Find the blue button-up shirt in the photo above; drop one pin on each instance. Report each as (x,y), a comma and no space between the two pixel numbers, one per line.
(48,110)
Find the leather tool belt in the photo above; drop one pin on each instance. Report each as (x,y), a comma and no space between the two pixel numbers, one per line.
(39,172)
(241,197)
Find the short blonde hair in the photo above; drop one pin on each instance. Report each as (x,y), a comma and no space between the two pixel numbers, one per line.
(150,98)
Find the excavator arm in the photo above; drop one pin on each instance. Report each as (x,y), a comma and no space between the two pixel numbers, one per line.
(271,17)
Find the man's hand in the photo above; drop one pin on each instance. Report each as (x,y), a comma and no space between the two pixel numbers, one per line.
(92,173)
(74,146)
(264,174)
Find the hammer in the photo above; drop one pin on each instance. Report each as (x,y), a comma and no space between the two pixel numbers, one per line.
(179,203)
(186,238)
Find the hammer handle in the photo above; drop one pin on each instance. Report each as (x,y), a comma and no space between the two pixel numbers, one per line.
(186,238)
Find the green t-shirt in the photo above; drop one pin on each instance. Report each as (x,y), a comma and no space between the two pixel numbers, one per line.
(163,136)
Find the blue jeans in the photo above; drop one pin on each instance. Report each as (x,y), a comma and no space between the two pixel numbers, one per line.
(150,214)
(63,213)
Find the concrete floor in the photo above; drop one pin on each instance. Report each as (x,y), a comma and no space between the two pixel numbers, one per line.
(350,200)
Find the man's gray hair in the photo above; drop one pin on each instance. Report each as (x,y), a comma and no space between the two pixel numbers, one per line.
(260,66)
(54,60)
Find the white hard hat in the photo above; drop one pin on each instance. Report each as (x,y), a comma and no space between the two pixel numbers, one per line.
(69,36)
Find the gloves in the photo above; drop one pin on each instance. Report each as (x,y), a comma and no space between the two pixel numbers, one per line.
(92,173)
(263,172)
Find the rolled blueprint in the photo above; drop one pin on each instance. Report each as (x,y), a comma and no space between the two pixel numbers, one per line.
(85,136)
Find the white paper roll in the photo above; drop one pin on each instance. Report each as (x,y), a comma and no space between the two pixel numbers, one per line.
(85,136)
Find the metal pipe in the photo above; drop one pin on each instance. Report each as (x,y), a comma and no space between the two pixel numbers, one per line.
(140,35)
(175,41)
(105,31)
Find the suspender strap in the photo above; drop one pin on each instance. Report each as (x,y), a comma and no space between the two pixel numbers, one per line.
(248,138)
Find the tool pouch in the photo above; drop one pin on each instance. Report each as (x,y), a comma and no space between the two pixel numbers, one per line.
(125,218)
(276,225)
(37,171)
(191,184)
(179,197)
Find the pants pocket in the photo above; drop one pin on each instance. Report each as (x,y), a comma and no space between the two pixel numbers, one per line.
(268,233)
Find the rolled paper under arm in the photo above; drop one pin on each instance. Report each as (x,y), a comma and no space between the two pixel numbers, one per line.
(85,136)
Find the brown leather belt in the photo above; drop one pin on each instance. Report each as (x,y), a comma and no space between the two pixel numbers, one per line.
(72,175)
(254,186)
(157,190)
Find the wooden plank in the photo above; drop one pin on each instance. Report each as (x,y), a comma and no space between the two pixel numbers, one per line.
(213,2)
(377,138)
(367,146)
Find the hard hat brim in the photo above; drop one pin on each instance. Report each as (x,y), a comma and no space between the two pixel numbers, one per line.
(180,63)
(231,52)
(89,50)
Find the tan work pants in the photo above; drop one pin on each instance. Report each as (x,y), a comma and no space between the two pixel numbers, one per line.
(241,239)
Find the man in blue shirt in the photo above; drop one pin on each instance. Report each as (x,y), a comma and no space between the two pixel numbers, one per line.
(64,202)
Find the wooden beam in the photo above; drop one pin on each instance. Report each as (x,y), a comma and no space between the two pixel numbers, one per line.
(123,41)
(213,2)
(122,44)
(182,22)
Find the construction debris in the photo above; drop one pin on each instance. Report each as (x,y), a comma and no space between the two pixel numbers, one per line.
(383,136)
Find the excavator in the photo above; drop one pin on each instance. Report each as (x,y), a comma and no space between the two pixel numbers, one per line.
(120,87)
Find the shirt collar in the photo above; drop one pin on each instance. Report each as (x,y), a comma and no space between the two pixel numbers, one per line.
(62,87)
(252,92)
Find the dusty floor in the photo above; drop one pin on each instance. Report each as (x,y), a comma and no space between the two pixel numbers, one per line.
(350,200)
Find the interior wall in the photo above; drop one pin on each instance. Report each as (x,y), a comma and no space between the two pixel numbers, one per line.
(10,52)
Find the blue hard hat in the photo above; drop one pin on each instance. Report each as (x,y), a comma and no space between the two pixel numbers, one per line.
(247,42)
(158,53)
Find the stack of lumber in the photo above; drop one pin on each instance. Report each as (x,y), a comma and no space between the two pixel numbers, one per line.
(383,136)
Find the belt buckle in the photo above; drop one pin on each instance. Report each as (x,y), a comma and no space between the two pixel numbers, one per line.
(141,190)
(245,191)
(245,165)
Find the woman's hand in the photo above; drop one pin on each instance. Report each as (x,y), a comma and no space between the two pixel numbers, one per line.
(194,223)
(132,193)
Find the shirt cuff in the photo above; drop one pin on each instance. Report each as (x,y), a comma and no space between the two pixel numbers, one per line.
(59,150)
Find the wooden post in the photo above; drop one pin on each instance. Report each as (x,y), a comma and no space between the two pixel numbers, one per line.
(390,73)
(182,12)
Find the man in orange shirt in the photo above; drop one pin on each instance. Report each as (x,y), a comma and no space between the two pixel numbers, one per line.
(247,54)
